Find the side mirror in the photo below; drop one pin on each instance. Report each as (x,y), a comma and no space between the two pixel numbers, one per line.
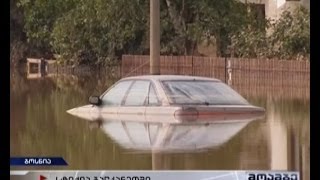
(95,100)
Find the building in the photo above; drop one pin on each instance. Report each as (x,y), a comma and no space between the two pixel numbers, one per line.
(272,9)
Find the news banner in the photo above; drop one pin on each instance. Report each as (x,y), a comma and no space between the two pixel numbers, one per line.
(134,175)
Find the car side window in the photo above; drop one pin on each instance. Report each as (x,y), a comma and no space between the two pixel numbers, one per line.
(138,93)
(152,98)
(116,94)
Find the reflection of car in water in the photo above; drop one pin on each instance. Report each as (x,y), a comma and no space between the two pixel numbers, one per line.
(179,98)
(170,137)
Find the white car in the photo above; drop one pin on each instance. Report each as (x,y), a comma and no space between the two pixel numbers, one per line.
(168,98)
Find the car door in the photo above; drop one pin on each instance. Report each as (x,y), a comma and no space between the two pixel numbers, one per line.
(153,105)
(111,100)
(156,111)
(133,105)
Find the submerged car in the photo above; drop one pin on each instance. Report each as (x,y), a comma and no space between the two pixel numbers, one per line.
(177,98)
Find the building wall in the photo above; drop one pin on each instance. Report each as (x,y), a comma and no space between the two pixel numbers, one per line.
(305,3)
(274,8)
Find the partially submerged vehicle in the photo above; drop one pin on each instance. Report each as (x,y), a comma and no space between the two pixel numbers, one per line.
(168,98)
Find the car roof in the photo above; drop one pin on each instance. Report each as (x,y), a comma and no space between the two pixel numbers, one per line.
(170,77)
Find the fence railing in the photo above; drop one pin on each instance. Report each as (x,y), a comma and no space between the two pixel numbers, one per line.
(281,78)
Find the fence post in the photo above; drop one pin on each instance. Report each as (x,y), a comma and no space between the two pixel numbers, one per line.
(28,67)
(192,66)
(225,69)
(229,72)
(226,54)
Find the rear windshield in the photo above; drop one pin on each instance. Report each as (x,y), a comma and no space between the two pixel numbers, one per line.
(201,92)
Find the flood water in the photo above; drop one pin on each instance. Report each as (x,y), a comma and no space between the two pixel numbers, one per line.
(40,126)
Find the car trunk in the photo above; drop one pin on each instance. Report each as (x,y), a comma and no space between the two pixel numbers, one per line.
(218,113)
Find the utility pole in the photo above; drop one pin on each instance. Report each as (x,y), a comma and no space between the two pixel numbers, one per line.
(154,37)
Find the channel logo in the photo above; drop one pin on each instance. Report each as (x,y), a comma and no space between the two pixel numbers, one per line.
(42,177)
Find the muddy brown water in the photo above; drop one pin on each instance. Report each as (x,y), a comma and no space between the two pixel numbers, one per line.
(40,126)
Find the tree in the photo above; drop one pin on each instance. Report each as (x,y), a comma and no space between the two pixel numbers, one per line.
(289,37)
(195,21)
(96,32)
(100,31)
(39,18)
(291,34)
(18,47)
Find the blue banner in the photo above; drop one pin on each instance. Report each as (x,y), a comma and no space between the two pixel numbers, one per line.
(37,161)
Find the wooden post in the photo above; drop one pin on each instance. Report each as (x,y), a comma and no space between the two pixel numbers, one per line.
(229,72)
(28,67)
(39,68)
(154,37)
(42,69)
(225,69)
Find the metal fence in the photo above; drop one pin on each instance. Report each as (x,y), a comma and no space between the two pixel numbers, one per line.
(251,77)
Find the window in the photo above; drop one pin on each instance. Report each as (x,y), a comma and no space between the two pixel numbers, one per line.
(202,92)
(138,94)
(153,99)
(115,95)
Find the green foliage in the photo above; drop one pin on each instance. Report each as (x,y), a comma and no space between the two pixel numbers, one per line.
(189,23)
(18,46)
(220,19)
(95,32)
(99,31)
(250,42)
(39,18)
(289,37)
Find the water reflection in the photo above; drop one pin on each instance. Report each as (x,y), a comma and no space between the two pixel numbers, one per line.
(40,126)
(288,144)
(166,137)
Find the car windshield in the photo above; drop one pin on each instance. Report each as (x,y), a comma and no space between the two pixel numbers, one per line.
(202,92)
